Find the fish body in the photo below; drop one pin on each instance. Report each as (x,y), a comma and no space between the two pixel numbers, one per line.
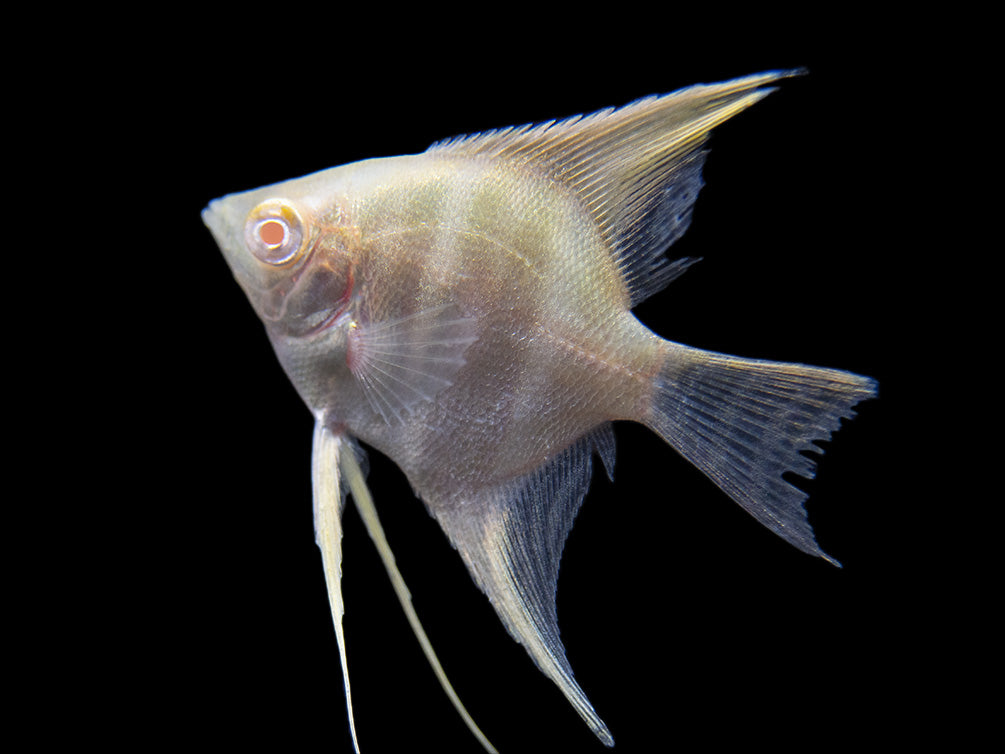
(530,309)
(467,312)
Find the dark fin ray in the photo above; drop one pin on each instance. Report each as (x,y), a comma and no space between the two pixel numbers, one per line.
(511,539)
(745,423)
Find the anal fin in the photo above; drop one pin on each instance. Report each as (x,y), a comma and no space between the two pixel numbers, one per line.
(511,539)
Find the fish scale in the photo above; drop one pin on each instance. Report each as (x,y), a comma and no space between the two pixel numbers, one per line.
(467,312)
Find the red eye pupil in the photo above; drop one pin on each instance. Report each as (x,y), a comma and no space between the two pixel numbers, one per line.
(272,232)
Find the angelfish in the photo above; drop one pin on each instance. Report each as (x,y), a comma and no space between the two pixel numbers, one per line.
(468,312)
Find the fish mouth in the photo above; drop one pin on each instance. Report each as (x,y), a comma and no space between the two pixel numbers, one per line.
(214,218)
(219,218)
(288,298)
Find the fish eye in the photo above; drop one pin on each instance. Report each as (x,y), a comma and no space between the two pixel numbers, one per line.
(274,232)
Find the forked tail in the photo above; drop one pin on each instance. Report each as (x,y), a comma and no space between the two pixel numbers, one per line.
(744,423)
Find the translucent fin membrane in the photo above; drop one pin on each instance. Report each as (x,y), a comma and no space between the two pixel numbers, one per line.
(511,539)
(405,362)
(637,168)
(745,423)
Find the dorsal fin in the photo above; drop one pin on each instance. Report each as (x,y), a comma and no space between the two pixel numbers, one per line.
(637,168)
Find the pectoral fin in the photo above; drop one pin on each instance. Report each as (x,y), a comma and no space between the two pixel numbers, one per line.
(403,363)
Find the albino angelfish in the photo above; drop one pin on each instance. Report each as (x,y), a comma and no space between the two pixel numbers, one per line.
(467,311)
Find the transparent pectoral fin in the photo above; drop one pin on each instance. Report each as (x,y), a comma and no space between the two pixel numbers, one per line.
(356,483)
(404,363)
(328,534)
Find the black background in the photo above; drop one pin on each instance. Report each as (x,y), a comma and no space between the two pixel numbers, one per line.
(688,625)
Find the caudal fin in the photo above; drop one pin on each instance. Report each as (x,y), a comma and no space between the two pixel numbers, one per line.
(744,423)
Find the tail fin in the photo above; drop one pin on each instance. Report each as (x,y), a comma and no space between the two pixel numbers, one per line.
(745,422)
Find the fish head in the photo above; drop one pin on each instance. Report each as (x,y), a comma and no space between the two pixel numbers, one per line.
(290,248)
(293,252)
